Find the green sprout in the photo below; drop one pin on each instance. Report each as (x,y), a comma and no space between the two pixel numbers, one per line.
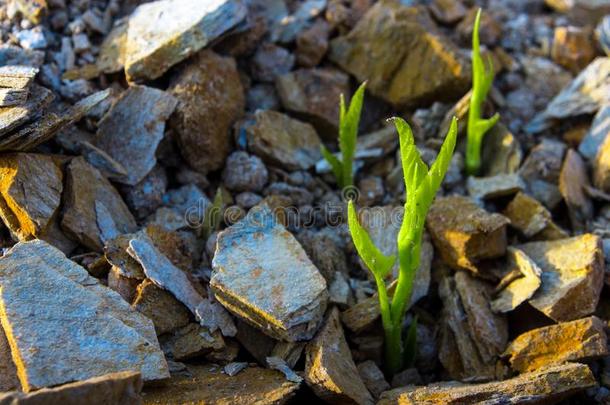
(348,132)
(213,215)
(421,185)
(482,78)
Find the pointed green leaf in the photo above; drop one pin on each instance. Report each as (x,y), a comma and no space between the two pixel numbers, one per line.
(348,132)
(378,263)
(413,168)
(335,164)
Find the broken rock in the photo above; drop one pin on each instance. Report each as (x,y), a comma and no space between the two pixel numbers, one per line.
(523,287)
(499,185)
(572,276)
(581,340)
(263,275)
(167,313)
(601,166)
(329,368)
(81,328)
(532,219)
(597,134)
(572,182)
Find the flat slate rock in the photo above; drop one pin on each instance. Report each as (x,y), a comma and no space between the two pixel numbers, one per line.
(13,97)
(544,386)
(122,388)
(13,117)
(17,76)
(572,276)
(262,274)
(136,122)
(523,287)
(63,325)
(163,33)
(597,133)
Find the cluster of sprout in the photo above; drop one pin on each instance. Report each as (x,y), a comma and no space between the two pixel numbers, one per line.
(421,185)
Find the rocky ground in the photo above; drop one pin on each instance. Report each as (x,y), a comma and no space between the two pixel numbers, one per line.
(121,120)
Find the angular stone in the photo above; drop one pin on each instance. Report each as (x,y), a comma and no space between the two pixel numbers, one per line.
(93,210)
(532,219)
(270,61)
(523,287)
(136,121)
(572,182)
(584,95)
(165,32)
(209,385)
(13,117)
(373,378)
(263,275)
(166,313)
(447,11)
(541,170)
(122,388)
(580,340)
(244,172)
(573,47)
(329,368)
(8,372)
(192,341)
(314,94)
(464,233)
(17,76)
(111,58)
(13,97)
(572,276)
(63,325)
(284,141)
(545,386)
(395,73)
(211,100)
(581,11)
(312,44)
(501,152)
(500,185)
(601,167)
(30,192)
(325,251)
(597,134)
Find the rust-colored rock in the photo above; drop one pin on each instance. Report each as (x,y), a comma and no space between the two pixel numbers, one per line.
(211,99)
(572,182)
(464,233)
(580,340)
(532,219)
(573,47)
(525,281)
(166,312)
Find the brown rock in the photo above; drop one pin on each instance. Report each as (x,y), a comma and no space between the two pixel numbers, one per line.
(261,346)
(211,100)
(490,30)
(13,97)
(525,281)
(329,368)
(312,44)
(544,386)
(314,95)
(573,47)
(601,167)
(373,378)
(500,185)
(581,340)
(427,66)
(270,61)
(572,182)
(17,76)
(209,385)
(572,276)
(166,312)
(541,170)
(532,219)
(284,141)
(93,210)
(122,388)
(13,117)
(362,316)
(465,233)
(136,121)
(8,371)
(192,341)
(111,58)
(501,152)
(447,11)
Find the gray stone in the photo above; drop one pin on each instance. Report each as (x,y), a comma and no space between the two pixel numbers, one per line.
(17,76)
(523,287)
(136,122)
(263,275)
(63,325)
(13,97)
(500,185)
(572,276)
(573,181)
(597,133)
(165,32)
(244,172)
(13,117)
(373,378)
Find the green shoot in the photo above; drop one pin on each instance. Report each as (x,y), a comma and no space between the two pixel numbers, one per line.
(348,132)
(411,344)
(482,78)
(213,215)
(421,185)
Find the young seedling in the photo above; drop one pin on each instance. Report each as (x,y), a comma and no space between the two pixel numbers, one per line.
(421,185)
(348,132)
(213,215)
(482,78)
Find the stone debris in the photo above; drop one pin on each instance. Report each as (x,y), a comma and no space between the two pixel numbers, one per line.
(17,76)
(209,385)
(314,94)
(263,275)
(464,233)
(526,281)
(312,44)
(581,340)
(532,219)
(121,388)
(447,11)
(165,32)
(572,276)
(276,363)
(213,316)
(211,99)
(601,167)
(13,97)
(394,73)
(573,181)
(541,170)
(286,27)
(161,307)
(13,117)
(244,172)
(8,372)
(597,133)
(111,58)
(500,185)
(373,378)
(329,368)
(573,47)
(192,341)
(547,385)
(232,369)
(82,329)
(584,95)
(136,121)
(86,192)
(261,346)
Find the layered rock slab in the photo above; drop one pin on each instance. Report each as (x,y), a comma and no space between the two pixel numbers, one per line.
(62,325)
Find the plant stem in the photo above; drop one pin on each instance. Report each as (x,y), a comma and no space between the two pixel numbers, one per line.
(473,153)
(393,349)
